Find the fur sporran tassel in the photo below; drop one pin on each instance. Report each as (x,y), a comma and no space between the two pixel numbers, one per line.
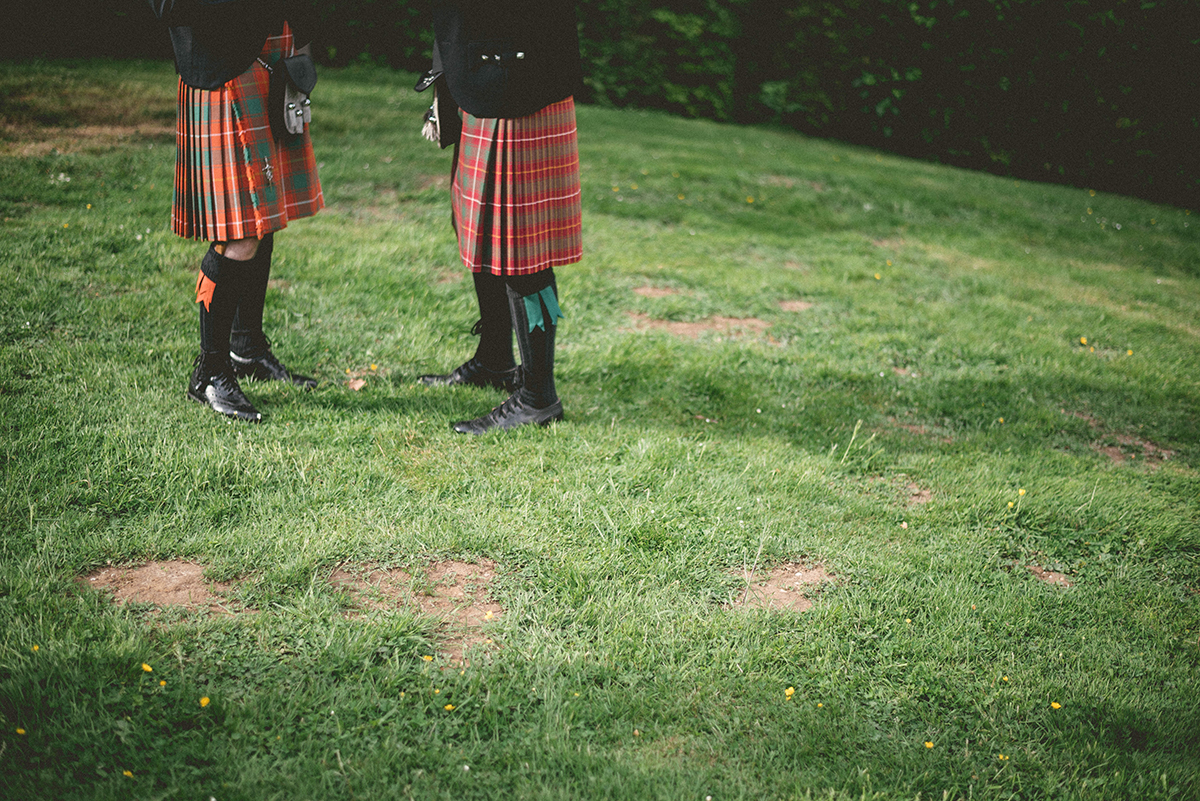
(431,129)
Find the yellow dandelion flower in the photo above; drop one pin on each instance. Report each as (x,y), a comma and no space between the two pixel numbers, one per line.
(1091,193)
(204,702)
(89,205)
(427,658)
(1004,678)
(928,744)
(147,668)
(679,196)
(437,692)
(877,276)
(162,683)
(1001,419)
(1020,492)
(489,616)
(889,262)
(1055,705)
(749,200)
(1129,353)
(789,692)
(633,186)
(20,730)
(1092,350)
(449,707)
(1083,340)
(35,648)
(616,189)
(820,705)
(374,366)
(66,225)
(1001,757)
(908,620)
(127,773)
(1010,504)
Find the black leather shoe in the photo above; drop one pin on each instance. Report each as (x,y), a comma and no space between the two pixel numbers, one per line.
(268,368)
(474,373)
(510,414)
(215,385)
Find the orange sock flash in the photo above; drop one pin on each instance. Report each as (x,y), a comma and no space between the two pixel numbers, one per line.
(204,290)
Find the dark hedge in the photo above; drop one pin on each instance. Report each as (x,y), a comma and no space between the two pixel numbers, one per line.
(1098,93)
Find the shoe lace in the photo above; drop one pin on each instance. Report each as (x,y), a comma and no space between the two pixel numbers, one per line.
(512,406)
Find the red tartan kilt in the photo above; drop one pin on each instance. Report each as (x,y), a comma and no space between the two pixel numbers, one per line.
(233,179)
(516,194)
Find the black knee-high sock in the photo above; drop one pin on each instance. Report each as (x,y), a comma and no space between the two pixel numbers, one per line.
(217,291)
(495,350)
(247,338)
(535,337)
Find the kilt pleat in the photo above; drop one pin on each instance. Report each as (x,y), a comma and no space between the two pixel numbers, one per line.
(233,179)
(516,192)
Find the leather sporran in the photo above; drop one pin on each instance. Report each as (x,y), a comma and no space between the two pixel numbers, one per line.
(288,105)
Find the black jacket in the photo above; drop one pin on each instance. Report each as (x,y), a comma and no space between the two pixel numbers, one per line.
(507,58)
(217,40)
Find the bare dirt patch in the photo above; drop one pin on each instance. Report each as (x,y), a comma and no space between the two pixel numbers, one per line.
(920,430)
(786,587)
(457,593)
(1087,418)
(730,326)
(1049,576)
(655,291)
(436,181)
(918,496)
(34,142)
(447,275)
(79,115)
(1120,448)
(796,305)
(172,583)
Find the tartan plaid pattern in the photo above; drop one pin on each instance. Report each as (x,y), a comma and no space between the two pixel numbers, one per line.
(233,179)
(516,194)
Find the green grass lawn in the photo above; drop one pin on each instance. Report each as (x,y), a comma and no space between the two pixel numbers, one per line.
(938,386)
